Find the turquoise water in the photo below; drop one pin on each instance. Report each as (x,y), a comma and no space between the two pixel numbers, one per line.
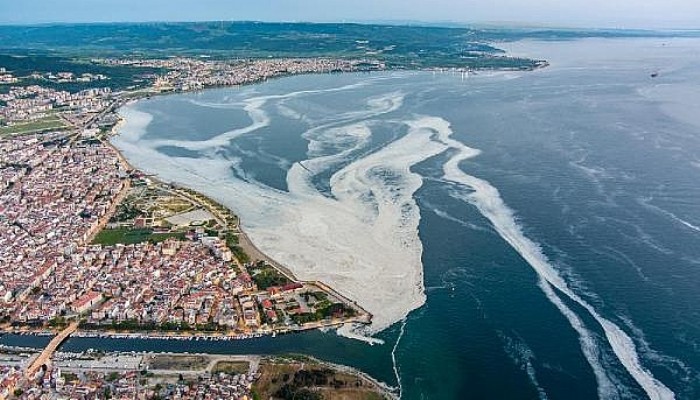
(589,238)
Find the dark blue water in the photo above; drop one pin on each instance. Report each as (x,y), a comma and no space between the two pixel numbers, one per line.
(599,164)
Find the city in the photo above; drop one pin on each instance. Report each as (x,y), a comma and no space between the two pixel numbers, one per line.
(397,200)
(90,243)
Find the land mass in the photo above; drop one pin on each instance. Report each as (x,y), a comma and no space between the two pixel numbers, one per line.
(96,374)
(396,46)
(89,243)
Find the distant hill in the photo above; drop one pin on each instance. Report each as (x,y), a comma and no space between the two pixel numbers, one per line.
(400,46)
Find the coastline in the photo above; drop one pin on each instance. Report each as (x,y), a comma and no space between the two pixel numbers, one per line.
(363,317)
(245,242)
(254,360)
(366,283)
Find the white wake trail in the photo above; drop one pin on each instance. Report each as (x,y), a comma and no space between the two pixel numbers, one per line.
(393,357)
(488,201)
(647,203)
(365,241)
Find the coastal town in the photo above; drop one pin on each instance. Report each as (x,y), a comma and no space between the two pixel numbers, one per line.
(95,374)
(186,74)
(90,246)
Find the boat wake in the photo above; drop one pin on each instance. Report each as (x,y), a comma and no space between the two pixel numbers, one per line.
(360,234)
(646,202)
(523,356)
(488,201)
(393,357)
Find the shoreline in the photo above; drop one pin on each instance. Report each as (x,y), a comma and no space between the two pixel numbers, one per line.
(245,242)
(350,325)
(291,358)
(371,295)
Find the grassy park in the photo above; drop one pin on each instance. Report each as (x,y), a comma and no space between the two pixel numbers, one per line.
(110,237)
(49,123)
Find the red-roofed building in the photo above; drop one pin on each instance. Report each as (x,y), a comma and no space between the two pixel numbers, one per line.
(292,286)
(87,301)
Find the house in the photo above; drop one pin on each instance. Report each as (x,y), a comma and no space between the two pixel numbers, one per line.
(86,302)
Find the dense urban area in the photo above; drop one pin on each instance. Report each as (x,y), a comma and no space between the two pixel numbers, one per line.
(90,246)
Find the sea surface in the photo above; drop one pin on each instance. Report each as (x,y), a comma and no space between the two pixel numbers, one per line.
(519,235)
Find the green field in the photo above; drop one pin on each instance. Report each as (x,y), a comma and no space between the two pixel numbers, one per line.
(110,237)
(45,124)
(231,367)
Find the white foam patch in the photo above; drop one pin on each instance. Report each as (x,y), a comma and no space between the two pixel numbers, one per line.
(674,365)
(606,388)
(136,123)
(487,199)
(363,241)
(349,331)
(254,108)
(445,215)
(395,363)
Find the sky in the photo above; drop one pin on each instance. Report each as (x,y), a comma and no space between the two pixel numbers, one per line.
(669,14)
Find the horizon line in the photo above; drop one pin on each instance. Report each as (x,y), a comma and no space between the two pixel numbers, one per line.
(413,23)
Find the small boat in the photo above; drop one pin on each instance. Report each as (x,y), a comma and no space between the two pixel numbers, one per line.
(655,74)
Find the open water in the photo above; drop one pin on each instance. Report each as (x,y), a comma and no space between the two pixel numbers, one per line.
(529,235)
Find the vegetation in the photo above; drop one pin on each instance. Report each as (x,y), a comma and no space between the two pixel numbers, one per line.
(324,310)
(69,376)
(58,322)
(125,212)
(238,252)
(23,62)
(110,237)
(178,362)
(265,276)
(112,376)
(231,367)
(305,378)
(132,325)
(397,46)
(50,123)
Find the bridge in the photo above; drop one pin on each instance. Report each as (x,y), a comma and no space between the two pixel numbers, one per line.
(46,354)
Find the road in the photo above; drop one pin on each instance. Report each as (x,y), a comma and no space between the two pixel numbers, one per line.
(45,355)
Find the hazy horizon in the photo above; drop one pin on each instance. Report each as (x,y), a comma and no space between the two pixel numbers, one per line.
(624,14)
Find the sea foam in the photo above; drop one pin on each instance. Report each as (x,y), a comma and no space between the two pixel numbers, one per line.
(362,239)
(488,201)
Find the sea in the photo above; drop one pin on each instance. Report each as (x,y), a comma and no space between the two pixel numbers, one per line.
(518,235)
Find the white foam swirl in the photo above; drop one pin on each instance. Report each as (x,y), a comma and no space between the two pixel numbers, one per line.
(489,202)
(363,240)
